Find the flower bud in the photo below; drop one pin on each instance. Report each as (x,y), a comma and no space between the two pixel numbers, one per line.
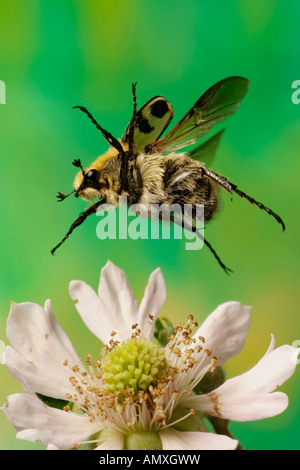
(143,440)
(212,380)
(193,423)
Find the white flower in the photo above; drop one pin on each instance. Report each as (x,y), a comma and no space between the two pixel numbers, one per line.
(137,388)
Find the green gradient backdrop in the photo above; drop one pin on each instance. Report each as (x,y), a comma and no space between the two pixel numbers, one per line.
(57,54)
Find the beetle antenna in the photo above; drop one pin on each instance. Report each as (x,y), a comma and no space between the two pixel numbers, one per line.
(62,197)
(77,163)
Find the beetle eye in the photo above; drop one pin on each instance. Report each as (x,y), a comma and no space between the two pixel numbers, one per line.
(91,179)
(92,174)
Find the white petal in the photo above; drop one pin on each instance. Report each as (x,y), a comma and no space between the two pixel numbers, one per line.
(115,442)
(40,349)
(13,361)
(91,310)
(248,396)
(248,408)
(225,330)
(116,294)
(271,345)
(113,309)
(152,302)
(35,421)
(269,373)
(61,336)
(23,371)
(178,440)
(2,347)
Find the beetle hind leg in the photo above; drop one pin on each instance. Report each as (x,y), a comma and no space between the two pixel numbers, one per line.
(230,187)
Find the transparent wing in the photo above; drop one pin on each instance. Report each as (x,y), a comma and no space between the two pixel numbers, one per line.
(206,152)
(150,122)
(219,102)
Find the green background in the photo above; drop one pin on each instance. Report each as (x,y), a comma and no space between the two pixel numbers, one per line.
(57,54)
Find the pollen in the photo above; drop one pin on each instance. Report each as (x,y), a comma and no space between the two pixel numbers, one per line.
(136,381)
(134,365)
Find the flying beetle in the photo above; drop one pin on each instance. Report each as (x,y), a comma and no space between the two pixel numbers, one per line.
(150,168)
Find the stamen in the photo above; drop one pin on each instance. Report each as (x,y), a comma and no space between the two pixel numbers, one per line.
(137,384)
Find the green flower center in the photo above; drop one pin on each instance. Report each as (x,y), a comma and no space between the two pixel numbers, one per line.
(134,365)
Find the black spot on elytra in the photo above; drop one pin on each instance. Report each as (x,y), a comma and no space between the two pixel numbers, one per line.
(144,126)
(159,108)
